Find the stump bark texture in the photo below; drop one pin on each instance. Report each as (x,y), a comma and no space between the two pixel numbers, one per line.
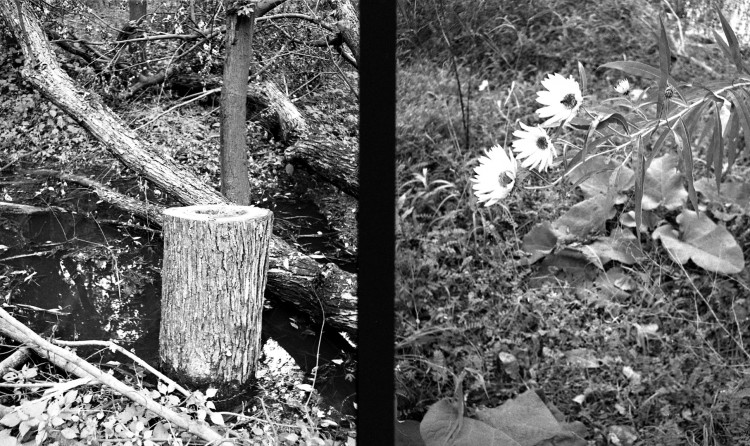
(213,277)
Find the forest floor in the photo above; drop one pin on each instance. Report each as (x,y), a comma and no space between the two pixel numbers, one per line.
(648,353)
(311,215)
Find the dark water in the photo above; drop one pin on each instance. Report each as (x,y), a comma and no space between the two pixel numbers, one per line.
(91,281)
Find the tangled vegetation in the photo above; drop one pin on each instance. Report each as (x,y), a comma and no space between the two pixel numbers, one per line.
(109,259)
(492,301)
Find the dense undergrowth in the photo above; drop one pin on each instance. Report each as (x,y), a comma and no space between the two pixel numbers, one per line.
(34,133)
(652,353)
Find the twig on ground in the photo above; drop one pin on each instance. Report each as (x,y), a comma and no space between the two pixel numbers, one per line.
(114,347)
(201,96)
(72,363)
(14,360)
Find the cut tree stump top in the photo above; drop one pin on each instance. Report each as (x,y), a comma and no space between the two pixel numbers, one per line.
(220,213)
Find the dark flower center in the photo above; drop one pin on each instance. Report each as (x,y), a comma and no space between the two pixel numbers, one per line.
(541,142)
(569,101)
(505,179)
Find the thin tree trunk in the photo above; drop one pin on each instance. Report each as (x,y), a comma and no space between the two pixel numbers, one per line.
(235,183)
(137,9)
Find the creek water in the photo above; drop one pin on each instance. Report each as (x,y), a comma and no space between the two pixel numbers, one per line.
(91,281)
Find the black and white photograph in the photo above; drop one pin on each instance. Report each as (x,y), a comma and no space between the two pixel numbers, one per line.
(572,223)
(179,241)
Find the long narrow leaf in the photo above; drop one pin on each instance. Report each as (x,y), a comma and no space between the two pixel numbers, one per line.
(732,136)
(640,177)
(582,75)
(636,68)
(742,110)
(734,44)
(589,137)
(723,45)
(711,149)
(665,54)
(705,131)
(717,148)
(588,175)
(664,59)
(615,117)
(691,118)
(741,104)
(574,162)
(656,148)
(687,162)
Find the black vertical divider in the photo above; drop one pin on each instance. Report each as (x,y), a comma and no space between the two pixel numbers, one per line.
(376,218)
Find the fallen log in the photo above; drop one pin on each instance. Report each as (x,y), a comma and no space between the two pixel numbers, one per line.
(331,159)
(318,291)
(328,158)
(292,274)
(24,209)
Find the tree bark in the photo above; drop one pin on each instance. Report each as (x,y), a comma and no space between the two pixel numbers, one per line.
(348,25)
(235,183)
(136,9)
(214,274)
(333,160)
(292,276)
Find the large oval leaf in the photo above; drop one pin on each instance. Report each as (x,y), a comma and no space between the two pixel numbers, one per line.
(736,193)
(663,184)
(585,218)
(440,426)
(539,242)
(707,244)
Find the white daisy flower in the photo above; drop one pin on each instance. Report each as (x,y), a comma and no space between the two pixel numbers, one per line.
(495,176)
(562,99)
(623,87)
(534,147)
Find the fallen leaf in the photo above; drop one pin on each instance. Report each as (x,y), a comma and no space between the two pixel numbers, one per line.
(585,218)
(707,244)
(582,357)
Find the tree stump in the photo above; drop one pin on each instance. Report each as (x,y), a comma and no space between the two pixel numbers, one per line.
(213,278)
